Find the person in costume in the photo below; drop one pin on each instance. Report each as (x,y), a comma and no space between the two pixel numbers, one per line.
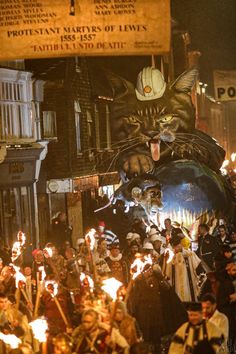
(156,307)
(182,271)
(196,335)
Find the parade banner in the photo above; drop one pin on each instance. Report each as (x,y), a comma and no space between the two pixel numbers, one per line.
(46,28)
(225,85)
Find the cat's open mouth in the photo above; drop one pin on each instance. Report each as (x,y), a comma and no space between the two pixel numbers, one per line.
(154,145)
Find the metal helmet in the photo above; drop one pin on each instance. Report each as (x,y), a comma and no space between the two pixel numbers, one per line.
(150,84)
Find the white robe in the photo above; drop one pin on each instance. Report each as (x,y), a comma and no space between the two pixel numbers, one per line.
(222,323)
(181,281)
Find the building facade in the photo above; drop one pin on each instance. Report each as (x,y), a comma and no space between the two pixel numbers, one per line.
(21,150)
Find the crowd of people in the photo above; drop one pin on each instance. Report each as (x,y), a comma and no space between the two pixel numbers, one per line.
(170,298)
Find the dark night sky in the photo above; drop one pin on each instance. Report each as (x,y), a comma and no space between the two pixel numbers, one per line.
(212,26)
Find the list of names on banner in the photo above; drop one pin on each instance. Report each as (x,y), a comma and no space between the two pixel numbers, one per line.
(45,28)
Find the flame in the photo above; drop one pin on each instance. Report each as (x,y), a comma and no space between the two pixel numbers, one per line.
(88,278)
(225,163)
(39,328)
(16,250)
(170,255)
(233,156)
(21,237)
(140,265)
(52,287)
(19,277)
(111,286)
(49,251)
(11,340)
(90,238)
(43,273)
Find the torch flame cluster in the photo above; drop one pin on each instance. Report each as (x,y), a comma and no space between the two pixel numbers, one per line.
(39,328)
(52,287)
(17,246)
(90,238)
(90,281)
(19,277)
(111,286)
(11,340)
(138,266)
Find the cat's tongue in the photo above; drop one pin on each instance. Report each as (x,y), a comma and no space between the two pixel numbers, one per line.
(155,149)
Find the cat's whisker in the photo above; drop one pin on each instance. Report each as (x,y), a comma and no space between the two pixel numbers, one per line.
(196,136)
(197,148)
(119,152)
(193,144)
(125,140)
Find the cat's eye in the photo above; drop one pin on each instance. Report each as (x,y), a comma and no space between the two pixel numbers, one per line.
(166,118)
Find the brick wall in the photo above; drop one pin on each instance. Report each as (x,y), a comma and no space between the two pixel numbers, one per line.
(62,160)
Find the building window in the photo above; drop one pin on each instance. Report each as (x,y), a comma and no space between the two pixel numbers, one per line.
(49,125)
(102,126)
(90,129)
(77,126)
(16,116)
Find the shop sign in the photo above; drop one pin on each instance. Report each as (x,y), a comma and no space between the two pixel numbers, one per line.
(225,85)
(46,28)
(15,173)
(85,183)
(107,179)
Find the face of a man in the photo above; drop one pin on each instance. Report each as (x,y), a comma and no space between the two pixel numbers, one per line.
(202,231)
(101,228)
(228,254)
(39,257)
(103,245)
(167,223)
(119,315)
(222,232)
(194,317)
(157,245)
(178,248)
(208,309)
(3,303)
(134,249)
(233,237)
(27,271)
(115,252)
(89,323)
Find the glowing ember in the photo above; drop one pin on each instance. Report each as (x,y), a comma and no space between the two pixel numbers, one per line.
(111,286)
(11,340)
(90,238)
(90,281)
(139,265)
(52,287)
(48,251)
(39,328)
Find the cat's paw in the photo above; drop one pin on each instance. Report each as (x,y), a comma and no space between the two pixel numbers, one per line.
(137,164)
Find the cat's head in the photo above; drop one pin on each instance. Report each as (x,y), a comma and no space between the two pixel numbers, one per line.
(155,121)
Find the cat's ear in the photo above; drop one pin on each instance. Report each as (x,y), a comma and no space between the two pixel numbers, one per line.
(119,86)
(185,82)
(123,94)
